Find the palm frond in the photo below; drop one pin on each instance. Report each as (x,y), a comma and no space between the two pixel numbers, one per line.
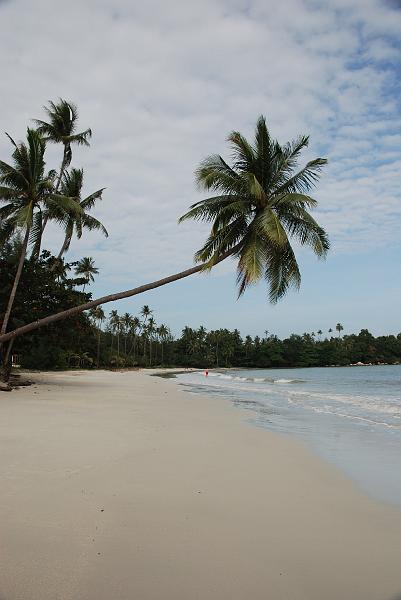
(210,208)
(304,180)
(36,229)
(269,225)
(282,272)
(93,224)
(89,202)
(305,229)
(242,152)
(251,260)
(214,174)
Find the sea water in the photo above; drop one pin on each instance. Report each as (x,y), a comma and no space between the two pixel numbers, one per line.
(351,416)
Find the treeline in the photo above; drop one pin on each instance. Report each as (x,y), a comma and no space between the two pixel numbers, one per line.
(260,205)
(224,348)
(254,218)
(96,339)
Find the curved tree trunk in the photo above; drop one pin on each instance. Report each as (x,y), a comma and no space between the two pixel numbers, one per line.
(6,352)
(15,284)
(109,298)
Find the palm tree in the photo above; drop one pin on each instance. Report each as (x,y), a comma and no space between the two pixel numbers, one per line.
(114,326)
(330,330)
(319,333)
(26,189)
(339,328)
(61,127)
(145,313)
(86,268)
(163,333)
(260,204)
(98,316)
(151,328)
(135,325)
(72,186)
(126,320)
(60,269)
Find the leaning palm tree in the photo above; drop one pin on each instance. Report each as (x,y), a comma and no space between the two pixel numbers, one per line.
(72,186)
(61,128)
(86,268)
(260,204)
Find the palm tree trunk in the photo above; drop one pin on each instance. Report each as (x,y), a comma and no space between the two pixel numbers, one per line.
(64,314)
(132,346)
(63,250)
(162,354)
(16,282)
(6,354)
(6,363)
(98,348)
(36,250)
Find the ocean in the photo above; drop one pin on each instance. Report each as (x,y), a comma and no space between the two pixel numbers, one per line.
(350,416)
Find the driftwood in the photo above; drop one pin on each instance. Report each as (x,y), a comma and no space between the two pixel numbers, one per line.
(14,383)
(23,383)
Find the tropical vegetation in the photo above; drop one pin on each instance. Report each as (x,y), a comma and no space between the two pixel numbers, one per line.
(260,206)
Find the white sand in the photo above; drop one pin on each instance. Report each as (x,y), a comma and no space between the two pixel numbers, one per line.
(121,486)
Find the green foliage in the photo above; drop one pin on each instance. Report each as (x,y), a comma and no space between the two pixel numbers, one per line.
(61,127)
(224,348)
(39,294)
(27,190)
(261,207)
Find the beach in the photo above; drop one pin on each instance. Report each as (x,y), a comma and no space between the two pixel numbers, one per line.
(120,485)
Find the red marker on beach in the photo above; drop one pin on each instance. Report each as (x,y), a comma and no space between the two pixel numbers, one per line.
(206,373)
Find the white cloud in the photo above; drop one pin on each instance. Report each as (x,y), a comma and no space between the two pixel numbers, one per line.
(162,84)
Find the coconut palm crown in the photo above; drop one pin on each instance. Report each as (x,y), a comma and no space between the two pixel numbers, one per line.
(75,223)
(86,268)
(61,127)
(261,204)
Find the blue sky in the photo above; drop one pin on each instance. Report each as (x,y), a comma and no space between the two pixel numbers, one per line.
(162,84)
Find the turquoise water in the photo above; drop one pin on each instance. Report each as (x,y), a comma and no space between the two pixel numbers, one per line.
(351,416)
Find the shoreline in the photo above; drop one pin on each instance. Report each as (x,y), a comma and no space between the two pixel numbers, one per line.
(120,484)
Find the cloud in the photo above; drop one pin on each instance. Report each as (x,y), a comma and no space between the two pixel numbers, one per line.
(162,84)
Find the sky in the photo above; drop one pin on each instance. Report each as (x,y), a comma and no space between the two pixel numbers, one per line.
(162,84)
